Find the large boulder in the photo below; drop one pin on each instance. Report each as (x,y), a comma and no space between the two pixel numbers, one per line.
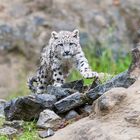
(28,107)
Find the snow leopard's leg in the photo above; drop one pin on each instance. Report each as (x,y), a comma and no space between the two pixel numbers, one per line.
(58,76)
(83,67)
(42,80)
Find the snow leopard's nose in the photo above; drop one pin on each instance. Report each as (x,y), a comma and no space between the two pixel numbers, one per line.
(67,52)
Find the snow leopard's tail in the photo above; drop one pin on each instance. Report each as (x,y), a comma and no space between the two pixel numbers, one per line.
(31,83)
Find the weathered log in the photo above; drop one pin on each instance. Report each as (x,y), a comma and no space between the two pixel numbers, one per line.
(124,79)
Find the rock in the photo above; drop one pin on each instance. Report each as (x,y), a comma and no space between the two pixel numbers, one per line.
(8,131)
(84,38)
(124,79)
(95,83)
(75,100)
(87,109)
(106,103)
(5,32)
(15,124)
(76,85)
(48,119)
(46,133)
(28,107)
(58,92)
(71,115)
(2,102)
(18,10)
(133,118)
(46,100)
(43,5)
(121,80)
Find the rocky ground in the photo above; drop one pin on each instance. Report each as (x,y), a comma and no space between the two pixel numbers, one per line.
(25,26)
(112,107)
(122,122)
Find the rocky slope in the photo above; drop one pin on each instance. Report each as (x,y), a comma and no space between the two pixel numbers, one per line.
(111,104)
(121,122)
(25,26)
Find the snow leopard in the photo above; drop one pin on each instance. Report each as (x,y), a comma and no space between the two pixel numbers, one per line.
(62,53)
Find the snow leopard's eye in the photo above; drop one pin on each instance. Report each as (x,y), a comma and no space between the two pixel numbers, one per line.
(72,44)
(60,45)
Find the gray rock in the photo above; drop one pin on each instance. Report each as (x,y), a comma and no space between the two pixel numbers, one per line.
(28,107)
(2,103)
(5,36)
(109,100)
(75,100)
(71,115)
(95,83)
(124,79)
(58,92)
(76,85)
(15,124)
(84,38)
(46,133)
(8,131)
(46,100)
(121,80)
(18,10)
(88,109)
(48,119)
(133,117)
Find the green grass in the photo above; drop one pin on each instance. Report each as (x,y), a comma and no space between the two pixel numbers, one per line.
(29,132)
(103,61)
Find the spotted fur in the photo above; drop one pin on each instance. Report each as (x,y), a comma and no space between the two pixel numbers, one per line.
(57,59)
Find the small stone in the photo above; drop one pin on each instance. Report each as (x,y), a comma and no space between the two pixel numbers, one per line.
(88,109)
(15,124)
(48,119)
(75,100)
(71,115)
(8,131)
(2,103)
(138,91)
(46,133)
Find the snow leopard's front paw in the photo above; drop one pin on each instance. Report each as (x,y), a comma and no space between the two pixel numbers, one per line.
(90,74)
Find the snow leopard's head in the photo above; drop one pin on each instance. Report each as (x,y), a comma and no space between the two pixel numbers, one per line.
(65,43)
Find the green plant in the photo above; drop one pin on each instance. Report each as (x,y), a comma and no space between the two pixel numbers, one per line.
(102,60)
(29,132)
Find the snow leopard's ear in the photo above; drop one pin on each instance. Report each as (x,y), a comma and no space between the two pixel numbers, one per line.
(54,35)
(76,33)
